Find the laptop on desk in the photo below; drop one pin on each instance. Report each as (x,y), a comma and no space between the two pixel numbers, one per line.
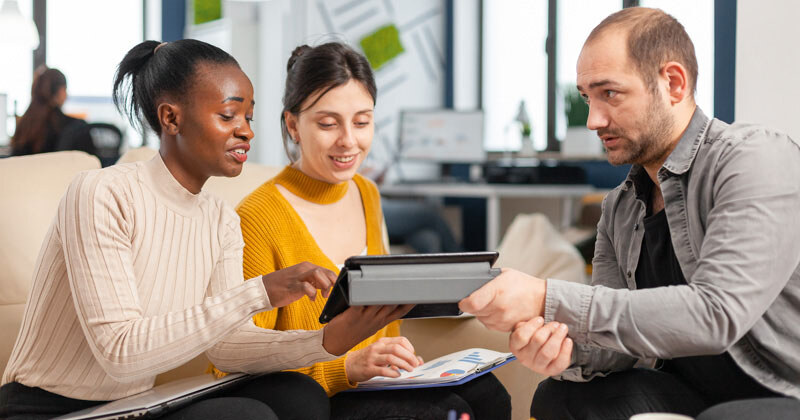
(160,399)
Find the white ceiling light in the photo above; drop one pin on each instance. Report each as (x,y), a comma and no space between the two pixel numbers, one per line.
(16,29)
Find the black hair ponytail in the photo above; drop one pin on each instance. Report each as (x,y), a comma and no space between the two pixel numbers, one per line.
(151,70)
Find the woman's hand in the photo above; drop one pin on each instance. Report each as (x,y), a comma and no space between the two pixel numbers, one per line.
(381,358)
(356,324)
(287,285)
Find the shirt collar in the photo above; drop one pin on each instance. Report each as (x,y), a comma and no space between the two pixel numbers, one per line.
(682,157)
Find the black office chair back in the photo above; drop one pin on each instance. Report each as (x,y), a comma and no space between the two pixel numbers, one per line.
(107,139)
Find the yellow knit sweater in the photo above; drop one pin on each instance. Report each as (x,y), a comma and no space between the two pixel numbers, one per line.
(275,237)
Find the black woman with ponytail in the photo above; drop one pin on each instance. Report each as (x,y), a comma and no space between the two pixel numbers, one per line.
(141,269)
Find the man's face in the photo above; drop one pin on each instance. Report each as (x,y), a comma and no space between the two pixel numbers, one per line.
(633,122)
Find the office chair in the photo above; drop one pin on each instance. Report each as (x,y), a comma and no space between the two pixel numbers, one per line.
(107,139)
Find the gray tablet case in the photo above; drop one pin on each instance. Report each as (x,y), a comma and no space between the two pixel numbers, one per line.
(434,282)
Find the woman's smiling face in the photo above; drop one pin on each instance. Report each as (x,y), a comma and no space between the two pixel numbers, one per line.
(335,133)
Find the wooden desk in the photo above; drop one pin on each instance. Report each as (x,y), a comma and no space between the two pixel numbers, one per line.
(493,193)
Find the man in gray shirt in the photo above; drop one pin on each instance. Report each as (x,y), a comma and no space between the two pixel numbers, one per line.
(694,305)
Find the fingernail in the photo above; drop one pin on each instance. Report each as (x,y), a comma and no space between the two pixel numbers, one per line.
(539,320)
(562,327)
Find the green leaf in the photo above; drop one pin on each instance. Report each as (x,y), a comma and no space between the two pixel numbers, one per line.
(382,46)
(206,10)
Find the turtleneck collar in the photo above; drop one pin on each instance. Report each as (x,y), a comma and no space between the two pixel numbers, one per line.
(167,188)
(310,189)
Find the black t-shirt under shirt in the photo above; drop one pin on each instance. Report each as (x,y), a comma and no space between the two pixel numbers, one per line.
(716,377)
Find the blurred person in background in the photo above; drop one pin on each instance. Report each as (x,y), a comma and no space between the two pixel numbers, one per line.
(44,127)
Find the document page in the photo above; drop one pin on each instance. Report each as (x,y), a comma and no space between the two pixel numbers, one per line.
(453,367)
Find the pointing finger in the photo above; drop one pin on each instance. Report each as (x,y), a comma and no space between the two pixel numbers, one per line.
(309,291)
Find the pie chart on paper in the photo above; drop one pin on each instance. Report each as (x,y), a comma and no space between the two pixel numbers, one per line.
(451,372)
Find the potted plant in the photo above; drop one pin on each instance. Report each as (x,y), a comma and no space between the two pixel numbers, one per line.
(579,140)
(525,126)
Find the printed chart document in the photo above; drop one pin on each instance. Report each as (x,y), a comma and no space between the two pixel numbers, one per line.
(452,369)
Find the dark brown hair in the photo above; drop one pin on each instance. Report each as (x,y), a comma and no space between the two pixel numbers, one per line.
(42,113)
(654,38)
(320,69)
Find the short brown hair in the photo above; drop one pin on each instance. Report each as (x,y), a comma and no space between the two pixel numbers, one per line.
(654,38)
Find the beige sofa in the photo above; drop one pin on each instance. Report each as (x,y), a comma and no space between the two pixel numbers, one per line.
(31,187)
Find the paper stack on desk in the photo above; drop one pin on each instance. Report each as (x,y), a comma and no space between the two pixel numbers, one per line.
(452,369)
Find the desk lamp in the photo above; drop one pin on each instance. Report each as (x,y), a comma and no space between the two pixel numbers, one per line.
(16,30)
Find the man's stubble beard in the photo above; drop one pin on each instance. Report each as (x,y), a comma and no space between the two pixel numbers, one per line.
(653,142)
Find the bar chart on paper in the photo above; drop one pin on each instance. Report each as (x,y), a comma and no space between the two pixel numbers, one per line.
(452,369)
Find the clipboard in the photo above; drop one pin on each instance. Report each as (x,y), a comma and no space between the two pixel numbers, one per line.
(434,282)
(449,370)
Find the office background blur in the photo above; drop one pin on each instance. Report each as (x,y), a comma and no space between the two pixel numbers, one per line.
(463,54)
(490,56)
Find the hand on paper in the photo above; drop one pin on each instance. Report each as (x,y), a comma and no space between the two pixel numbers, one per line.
(287,285)
(510,298)
(357,323)
(542,348)
(381,358)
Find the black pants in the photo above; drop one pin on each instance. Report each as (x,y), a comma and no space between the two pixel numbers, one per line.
(284,395)
(623,394)
(483,398)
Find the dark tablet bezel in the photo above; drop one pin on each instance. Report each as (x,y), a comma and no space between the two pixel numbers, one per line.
(354,263)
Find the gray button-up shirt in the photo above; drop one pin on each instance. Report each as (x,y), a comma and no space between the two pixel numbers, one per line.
(732,200)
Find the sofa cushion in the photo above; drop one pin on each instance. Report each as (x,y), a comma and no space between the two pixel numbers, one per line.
(31,187)
(534,246)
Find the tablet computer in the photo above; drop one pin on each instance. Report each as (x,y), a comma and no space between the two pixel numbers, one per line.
(435,283)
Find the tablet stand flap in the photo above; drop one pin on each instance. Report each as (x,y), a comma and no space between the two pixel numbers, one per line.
(337,300)
(417,283)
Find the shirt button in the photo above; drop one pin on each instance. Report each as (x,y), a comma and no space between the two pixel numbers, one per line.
(636,227)
(629,274)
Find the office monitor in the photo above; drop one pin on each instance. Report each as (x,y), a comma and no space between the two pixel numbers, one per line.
(442,136)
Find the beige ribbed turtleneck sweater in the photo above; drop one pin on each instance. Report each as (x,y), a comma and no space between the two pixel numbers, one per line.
(137,276)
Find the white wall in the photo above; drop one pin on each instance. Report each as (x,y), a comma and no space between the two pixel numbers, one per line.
(767,64)
(466,54)
(261,35)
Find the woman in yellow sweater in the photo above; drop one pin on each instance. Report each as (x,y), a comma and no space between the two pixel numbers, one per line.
(318,209)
